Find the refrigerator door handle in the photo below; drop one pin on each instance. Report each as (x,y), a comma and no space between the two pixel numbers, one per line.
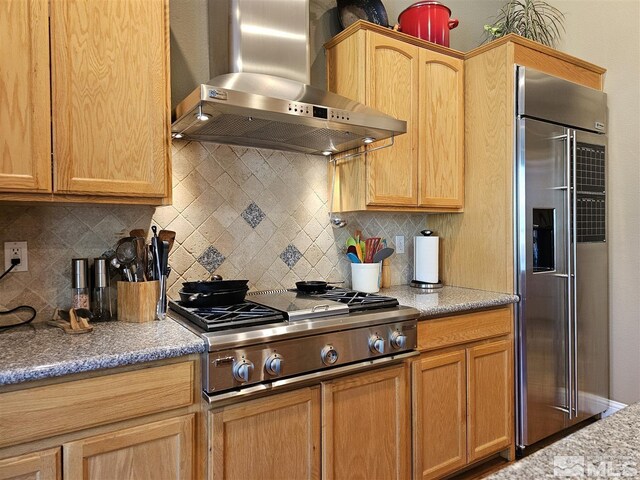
(569,390)
(573,301)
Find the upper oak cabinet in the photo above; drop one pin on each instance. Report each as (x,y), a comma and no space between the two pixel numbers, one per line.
(85,113)
(416,81)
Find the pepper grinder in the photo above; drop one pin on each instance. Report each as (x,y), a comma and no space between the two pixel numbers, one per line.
(79,283)
(101,294)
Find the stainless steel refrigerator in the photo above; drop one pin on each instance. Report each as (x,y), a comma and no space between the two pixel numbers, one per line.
(562,345)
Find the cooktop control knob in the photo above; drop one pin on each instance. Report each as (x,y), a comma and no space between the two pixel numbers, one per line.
(329,355)
(376,343)
(273,364)
(242,370)
(398,340)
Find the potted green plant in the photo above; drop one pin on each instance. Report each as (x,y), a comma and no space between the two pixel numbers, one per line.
(532,19)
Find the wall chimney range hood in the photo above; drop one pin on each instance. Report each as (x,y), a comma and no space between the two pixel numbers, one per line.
(257,106)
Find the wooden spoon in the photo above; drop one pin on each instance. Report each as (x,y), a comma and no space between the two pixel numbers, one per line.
(167,236)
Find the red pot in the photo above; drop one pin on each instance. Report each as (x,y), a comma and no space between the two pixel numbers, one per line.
(429,21)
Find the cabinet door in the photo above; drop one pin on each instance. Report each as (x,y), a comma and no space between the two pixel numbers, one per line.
(439,409)
(25,121)
(269,438)
(110,84)
(441,131)
(392,75)
(490,398)
(37,466)
(365,421)
(163,449)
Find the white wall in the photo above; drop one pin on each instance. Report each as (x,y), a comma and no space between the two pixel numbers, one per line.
(607,33)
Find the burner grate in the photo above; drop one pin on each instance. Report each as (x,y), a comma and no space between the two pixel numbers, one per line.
(358,301)
(228,317)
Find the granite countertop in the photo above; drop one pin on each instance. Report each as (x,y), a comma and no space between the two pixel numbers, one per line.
(447,299)
(607,448)
(39,351)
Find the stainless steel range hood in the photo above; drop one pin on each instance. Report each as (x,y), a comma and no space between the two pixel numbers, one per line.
(252,108)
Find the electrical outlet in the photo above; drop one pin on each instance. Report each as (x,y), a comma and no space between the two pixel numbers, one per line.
(16,250)
(399,243)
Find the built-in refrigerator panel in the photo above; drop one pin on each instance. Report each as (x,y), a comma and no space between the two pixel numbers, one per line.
(544,341)
(591,274)
(562,353)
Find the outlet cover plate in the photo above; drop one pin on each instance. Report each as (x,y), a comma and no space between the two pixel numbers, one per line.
(13,249)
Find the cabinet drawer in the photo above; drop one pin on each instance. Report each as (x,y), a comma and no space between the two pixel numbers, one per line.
(454,330)
(49,410)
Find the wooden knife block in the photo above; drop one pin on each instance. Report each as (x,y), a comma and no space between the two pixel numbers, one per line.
(137,301)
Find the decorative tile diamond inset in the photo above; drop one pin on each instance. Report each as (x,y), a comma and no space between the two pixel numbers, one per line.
(290,256)
(253,215)
(211,259)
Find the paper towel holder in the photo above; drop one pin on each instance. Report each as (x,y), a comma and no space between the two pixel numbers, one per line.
(426,286)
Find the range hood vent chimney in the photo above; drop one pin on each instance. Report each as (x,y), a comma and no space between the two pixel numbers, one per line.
(266,101)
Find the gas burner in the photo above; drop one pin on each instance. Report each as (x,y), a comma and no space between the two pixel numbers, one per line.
(358,301)
(213,319)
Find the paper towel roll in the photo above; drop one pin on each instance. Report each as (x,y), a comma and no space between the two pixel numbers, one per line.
(425,259)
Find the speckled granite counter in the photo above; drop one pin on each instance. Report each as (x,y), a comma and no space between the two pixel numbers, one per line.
(607,448)
(41,351)
(447,299)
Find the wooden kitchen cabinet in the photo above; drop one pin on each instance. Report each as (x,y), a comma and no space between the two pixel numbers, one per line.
(100,131)
(163,449)
(462,392)
(138,422)
(273,437)
(25,102)
(487,223)
(357,426)
(43,465)
(416,81)
(366,425)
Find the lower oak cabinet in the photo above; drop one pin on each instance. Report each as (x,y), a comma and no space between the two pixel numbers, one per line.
(159,450)
(136,422)
(361,420)
(43,465)
(462,392)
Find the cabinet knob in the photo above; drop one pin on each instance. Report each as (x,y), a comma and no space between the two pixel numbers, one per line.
(242,370)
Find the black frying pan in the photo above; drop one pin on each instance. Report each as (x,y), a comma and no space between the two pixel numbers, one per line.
(350,11)
(213,286)
(314,286)
(212,299)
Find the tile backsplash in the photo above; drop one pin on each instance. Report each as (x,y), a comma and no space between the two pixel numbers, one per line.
(239,212)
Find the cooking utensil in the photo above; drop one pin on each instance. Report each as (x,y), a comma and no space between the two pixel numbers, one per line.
(213,286)
(125,257)
(213,299)
(381,254)
(371,247)
(161,309)
(351,242)
(314,286)
(359,253)
(353,257)
(138,232)
(350,11)
(429,21)
(141,258)
(155,253)
(167,236)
